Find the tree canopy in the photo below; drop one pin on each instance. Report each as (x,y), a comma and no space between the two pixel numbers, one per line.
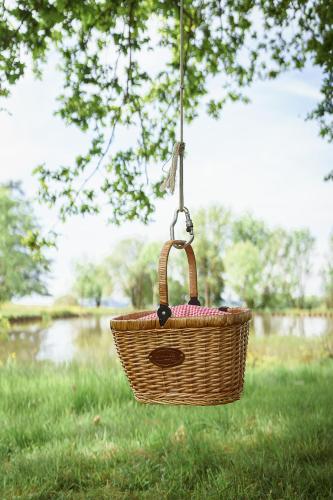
(106,86)
(92,281)
(134,266)
(23,266)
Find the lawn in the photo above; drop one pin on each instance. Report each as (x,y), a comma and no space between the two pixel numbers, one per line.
(76,432)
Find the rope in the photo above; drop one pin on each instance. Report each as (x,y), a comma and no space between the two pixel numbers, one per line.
(181,104)
(169,183)
(178,150)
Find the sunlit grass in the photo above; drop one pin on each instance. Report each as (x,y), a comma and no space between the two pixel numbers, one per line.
(76,432)
(271,350)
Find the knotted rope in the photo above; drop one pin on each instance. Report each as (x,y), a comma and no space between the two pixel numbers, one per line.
(169,182)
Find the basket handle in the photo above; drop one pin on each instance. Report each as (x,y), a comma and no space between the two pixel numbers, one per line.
(164,311)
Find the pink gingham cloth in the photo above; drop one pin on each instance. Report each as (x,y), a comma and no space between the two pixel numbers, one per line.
(186,311)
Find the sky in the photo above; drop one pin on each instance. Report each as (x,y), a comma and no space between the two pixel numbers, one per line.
(263,157)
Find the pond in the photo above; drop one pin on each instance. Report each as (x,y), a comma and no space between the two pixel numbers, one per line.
(90,339)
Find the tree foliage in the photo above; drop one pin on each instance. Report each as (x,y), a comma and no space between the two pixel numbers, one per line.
(92,281)
(236,255)
(108,88)
(134,266)
(267,267)
(244,270)
(212,230)
(328,274)
(23,266)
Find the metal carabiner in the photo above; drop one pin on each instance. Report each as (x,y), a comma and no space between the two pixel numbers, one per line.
(189,228)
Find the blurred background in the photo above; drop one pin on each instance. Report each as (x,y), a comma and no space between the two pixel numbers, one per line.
(253,183)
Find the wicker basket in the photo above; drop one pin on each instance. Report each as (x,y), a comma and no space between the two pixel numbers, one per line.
(191,361)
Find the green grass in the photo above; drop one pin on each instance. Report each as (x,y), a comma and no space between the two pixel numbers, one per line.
(76,432)
(16,313)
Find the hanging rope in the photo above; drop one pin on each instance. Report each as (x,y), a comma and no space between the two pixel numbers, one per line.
(169,183)
(181,103)
(179,147)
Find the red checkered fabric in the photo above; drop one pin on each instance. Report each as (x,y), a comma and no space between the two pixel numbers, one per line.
(186,311)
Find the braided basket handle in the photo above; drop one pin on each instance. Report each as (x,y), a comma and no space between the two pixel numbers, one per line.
(164,311)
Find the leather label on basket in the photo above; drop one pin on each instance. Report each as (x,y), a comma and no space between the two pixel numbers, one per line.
(166,357)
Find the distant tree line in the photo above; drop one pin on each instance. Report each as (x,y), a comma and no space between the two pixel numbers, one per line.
(238,256)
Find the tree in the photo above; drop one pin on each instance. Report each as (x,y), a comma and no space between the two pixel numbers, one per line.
(284,260)
(287,257)
(178,291)
(299,259)
(23,267)
(147,261)
(243,270)
(212,228)
(134,265)
(327,274)
(92,281)
(246,227)
(134,271)
(278,277)
(106,86)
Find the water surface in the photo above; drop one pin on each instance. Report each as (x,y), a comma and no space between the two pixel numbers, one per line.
(90,339)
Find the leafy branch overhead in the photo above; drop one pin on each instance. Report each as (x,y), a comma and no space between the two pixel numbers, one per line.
(108,85)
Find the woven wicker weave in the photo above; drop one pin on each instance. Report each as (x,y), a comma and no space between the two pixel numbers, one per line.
(211,350)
